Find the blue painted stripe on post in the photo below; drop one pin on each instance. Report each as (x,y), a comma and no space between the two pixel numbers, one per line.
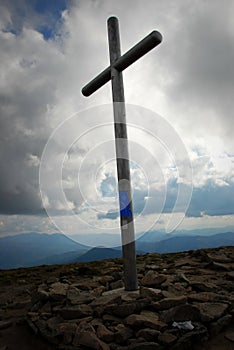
(125,209)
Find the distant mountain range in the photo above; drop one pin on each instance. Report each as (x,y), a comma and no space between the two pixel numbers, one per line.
(183,243)
(108,240)
(111,240)
(100,253)
(33,249)
(169,245)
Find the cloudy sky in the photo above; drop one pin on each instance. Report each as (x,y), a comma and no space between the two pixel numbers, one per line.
(58,170)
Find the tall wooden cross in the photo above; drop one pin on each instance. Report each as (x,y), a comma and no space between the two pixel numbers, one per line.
(114,73)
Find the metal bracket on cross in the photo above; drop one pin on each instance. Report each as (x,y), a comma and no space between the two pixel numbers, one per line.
(114,73)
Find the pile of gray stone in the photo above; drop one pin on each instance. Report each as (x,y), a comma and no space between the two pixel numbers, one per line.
(180,304)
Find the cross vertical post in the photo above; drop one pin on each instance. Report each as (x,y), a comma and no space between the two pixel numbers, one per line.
(122,158)
(119,63)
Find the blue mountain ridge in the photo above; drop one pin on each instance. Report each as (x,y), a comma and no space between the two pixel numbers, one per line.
(27,249)
(33,249)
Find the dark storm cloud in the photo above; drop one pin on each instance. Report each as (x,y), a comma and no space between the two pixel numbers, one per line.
(194,63)
(19,157)
(27,89)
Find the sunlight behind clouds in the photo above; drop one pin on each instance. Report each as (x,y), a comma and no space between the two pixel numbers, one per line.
(188,80)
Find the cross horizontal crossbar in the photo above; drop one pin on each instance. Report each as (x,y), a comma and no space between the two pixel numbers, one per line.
(131,56)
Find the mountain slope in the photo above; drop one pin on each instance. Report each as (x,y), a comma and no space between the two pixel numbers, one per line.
(64,258)
(183,243)
(35,249)
(100,253)
(29,248)
(109,240)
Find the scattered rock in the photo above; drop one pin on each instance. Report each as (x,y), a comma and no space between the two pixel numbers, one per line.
(52,324)
(111,319)
(58,291)
(42,295)
(220,324)
(152,279)
(177,289)
(52,279)
(230,275)
(21,304)
(168,303)
(181,276)
(230,336)
(124,310)
(167,339)
(46,308)
(153,267)
(116,284)
(5,347)
(90,340)
(184,312)
(73,312)
(202,286)
(206,296)
(48,333)
(67,330)
(220,258)
(148,334)
(73,295)
(5,324)
(104,280)
(186,341)
(105,334)
(122,334)
(32,325)
(88,308)
(144,346)
(106,300)
(185,262)
(201,255)
(145,321)
(150,314)
(95,322)
(151,293)
(218,266)
(87,284)
(85,325)
(211,311)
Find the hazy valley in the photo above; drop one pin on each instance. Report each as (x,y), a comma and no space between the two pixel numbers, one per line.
(33,249)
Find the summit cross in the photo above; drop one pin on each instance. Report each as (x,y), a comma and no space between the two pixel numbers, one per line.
(114,73)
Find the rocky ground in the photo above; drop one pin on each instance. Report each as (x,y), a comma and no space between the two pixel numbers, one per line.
(185,301)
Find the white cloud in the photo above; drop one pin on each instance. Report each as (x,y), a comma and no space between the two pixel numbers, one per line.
(188,79)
